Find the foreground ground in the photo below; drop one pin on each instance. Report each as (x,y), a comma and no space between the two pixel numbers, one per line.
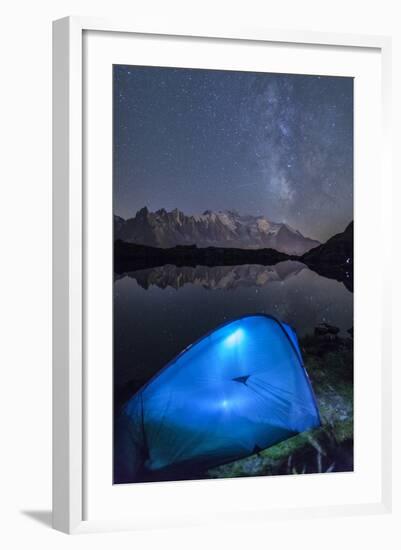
(329,363)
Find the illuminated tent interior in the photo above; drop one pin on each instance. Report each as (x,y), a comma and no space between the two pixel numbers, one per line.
(238,390)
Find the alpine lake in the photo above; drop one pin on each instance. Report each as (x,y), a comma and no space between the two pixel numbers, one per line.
(160,311)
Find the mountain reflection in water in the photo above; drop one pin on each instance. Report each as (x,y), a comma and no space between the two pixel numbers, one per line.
(158,312)
(215,278)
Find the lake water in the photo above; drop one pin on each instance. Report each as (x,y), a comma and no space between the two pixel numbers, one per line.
(158,312)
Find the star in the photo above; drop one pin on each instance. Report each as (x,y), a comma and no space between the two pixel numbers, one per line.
(268,144)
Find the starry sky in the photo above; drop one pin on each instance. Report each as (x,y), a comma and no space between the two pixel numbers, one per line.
(276,145)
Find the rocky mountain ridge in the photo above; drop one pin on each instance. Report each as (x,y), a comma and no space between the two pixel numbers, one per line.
(225,229)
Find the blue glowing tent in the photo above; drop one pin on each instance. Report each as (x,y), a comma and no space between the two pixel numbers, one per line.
(238,390)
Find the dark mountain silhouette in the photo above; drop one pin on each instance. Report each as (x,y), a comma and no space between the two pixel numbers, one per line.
(222,229)
(130,256)
(334,258)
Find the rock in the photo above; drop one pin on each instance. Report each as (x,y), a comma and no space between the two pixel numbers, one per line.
(320,330)
(325,329)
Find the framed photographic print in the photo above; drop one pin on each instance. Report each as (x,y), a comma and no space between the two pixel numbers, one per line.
(219,328)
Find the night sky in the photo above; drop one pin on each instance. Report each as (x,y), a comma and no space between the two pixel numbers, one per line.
(264,144)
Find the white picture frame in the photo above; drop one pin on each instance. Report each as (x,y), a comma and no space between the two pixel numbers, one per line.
(70,258)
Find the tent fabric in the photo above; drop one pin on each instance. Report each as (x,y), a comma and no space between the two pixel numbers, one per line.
(238,390)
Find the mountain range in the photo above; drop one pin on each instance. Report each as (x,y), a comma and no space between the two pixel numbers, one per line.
(227,229)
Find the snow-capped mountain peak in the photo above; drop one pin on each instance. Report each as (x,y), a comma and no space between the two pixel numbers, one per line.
(223,228)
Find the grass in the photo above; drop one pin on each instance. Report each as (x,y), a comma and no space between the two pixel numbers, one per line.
(329,364)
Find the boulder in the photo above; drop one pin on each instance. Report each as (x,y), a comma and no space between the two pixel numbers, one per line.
(325,329)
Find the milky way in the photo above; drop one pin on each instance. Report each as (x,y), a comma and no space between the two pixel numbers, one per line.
(264,144)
